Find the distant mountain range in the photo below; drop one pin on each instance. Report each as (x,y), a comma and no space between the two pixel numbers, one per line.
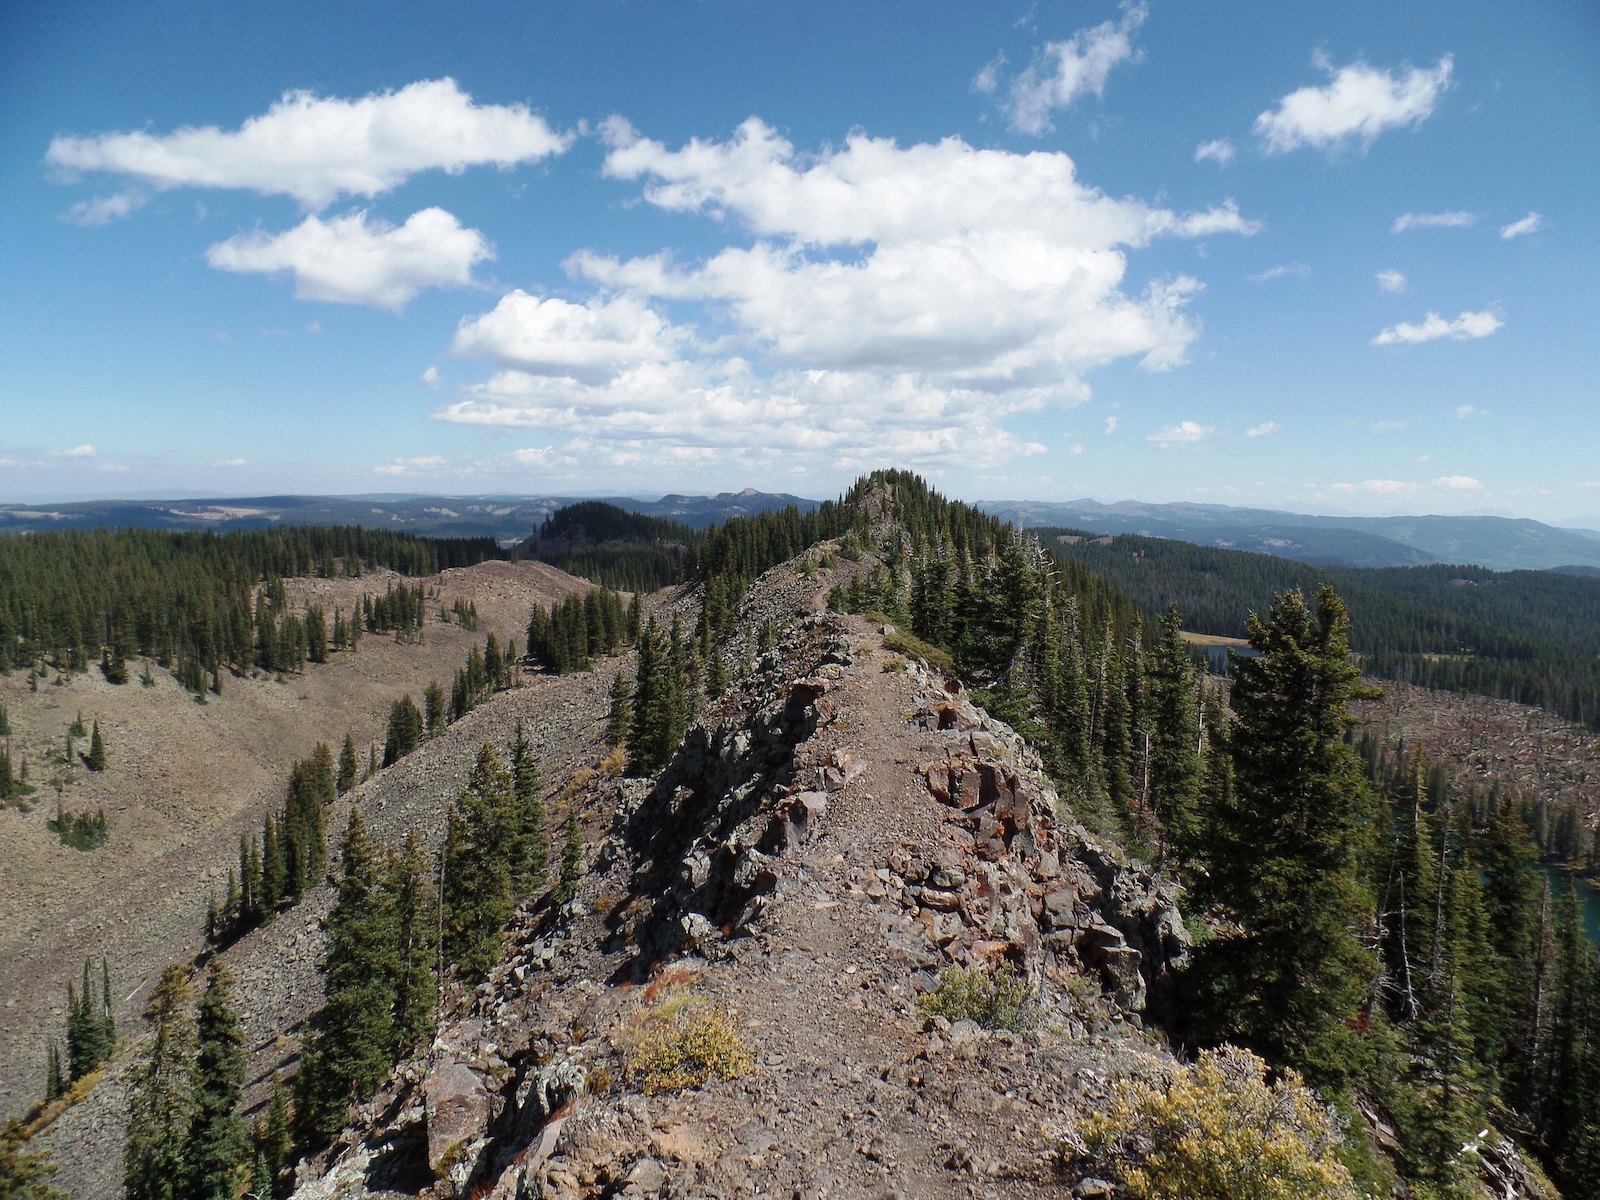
(1501,543)
(508,519)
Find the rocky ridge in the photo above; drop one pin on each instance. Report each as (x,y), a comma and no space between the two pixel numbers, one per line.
(837,830)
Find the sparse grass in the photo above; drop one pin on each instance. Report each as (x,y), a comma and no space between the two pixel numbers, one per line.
(894,666)
(998,999)
(614,763)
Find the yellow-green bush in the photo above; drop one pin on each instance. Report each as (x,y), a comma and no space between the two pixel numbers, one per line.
(1217,1130)
(1000,999)
(683,1042)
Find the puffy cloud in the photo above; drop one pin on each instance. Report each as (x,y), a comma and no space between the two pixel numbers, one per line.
(1391,281)
(1357,104)
(1218,150)
(874,190)
(1469,412)
(1438,220)
(1466,326)
(723,411)
(425,465)
(550,336)
(102,210)
(1063,71)
(1111,425)
(1457,483)
(1265,429)
(1531,223)
(87,450)
(1281,271)
(987,268)
(317,149)
(1184,433)
(431,377)
(355,259)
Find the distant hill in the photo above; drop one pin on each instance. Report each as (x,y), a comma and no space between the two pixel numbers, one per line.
(507,519)
(1500,543)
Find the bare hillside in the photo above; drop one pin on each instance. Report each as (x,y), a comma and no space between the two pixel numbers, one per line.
(184,780)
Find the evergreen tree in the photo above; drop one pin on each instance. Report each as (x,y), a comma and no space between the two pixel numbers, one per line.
(351,1052)
(621,712)
(1282,853)
(275,1143)
(411,896)
(1173,766)
(24,1174)
(161,1100)
(433,707)
(347,765)
(217,1147)
(97,750)
(531,862)
(571,857)
(404,732)
(55,1082)
(91,1031)
(478,850)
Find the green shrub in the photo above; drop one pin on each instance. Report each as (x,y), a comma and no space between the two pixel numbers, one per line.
(1000,999)
(909,644)
(1217,1130)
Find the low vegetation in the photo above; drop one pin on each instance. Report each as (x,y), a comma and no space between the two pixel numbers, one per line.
(1217,1129)
(998,999)
(682,1041)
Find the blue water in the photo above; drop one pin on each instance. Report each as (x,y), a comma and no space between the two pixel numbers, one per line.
(1589,897)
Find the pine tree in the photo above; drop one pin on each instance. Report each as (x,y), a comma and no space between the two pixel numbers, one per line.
(1283,853)
(1174,735)
(571,858)
(161,1100)
(90,1030)
(621,713)
(477,867)
(97,750)
(275,1144)
(532,859)
(351,1052)
(24,1174)
(409,882)
(54,1082)
(404,732)
(217,1147)
(347,765)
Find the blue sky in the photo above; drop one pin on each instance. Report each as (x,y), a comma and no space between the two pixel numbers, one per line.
(1333,257)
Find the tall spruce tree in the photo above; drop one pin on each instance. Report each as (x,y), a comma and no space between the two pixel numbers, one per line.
(348,768)
(218,1151)
(414,916)
(531,863)
(97,750)
(1283,850)
(1173,735)
(350,1054)
(161,1099)
(478,853)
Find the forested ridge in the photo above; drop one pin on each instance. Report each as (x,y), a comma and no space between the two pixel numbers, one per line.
(187,599)
(1532,637)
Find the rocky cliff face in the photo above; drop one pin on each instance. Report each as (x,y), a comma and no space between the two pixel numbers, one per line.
(838,830)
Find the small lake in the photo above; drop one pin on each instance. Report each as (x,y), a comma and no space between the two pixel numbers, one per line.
(1587,895)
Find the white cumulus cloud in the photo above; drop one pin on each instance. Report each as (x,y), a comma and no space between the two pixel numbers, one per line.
(1296,270)
(1470,412)
(1358,103)
(317,149)
(1435,220)
(551,336)
(1217,150)
(1456,483)
(1465,327)
(1184,433)
(1063,71)
(357,259)
(1531,223)
(1391,280)
(1265,429)
(87,450)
